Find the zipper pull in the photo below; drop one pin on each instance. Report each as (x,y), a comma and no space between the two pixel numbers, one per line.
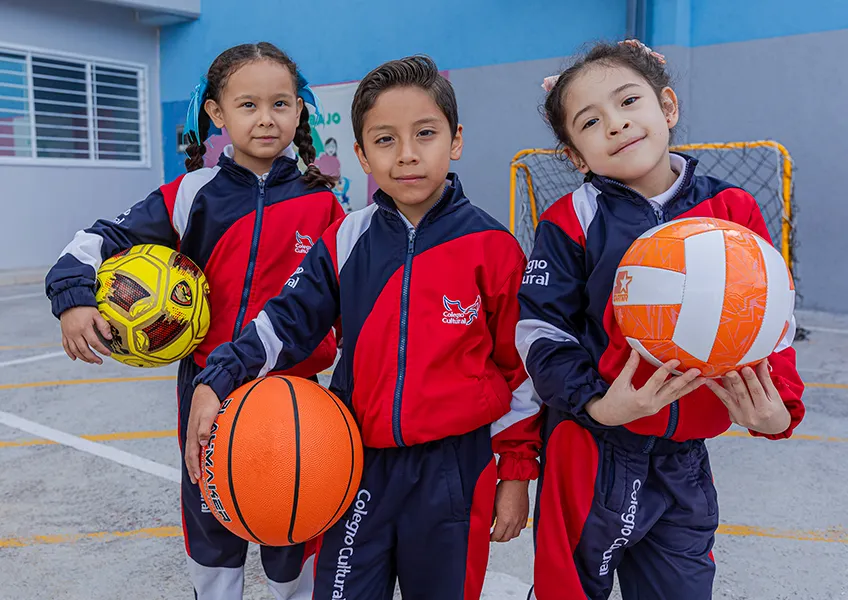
(410,248)
(660,215)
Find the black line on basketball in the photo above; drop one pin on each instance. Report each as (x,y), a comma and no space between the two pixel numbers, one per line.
(352,460)
(230,462)
(296,458)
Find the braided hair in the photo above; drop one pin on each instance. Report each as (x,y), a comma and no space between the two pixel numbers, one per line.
(227,63)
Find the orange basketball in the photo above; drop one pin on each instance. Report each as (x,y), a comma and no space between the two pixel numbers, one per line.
(708,292)
(283,462)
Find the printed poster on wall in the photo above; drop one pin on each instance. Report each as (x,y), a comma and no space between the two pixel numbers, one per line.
(332,136)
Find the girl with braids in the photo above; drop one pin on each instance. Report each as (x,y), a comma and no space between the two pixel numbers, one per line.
(626,483)
(247,223)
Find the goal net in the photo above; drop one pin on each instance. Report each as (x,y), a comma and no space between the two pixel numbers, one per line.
(539,177)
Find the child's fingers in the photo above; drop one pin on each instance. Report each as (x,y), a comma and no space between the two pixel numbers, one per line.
(691,386)
(85,352)
(674,389)
(499,533)
(725,397)
(204,429)
(94,342)
(67,349)
(739,390)
(516,530)
(103,326)
(755,388)
(84,345)
(630,366)
(764,375)
(661,375)
(79,349)
(716,388)
(192,456)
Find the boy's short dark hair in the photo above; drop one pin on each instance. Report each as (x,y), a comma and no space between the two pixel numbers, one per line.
(419,71)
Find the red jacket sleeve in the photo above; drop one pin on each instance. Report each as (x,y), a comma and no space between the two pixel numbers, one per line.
(784,374)
(515,436)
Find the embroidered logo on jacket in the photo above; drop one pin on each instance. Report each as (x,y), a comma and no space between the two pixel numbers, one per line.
(303,243)
(455,314)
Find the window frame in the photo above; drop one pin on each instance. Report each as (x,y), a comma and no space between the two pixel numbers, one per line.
(91,63)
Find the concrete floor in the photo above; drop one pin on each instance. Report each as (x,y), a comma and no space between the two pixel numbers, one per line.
(78,526)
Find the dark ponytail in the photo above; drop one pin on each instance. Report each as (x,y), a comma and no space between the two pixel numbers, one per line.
(225,65)
(303,140)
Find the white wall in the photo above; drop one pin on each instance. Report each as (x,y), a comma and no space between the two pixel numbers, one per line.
(41,207)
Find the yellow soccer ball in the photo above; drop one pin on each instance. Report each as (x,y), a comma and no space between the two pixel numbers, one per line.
(156,302)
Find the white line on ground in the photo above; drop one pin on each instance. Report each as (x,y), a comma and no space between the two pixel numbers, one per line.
(29,359)
(30,295)
(101,450)
(826,329)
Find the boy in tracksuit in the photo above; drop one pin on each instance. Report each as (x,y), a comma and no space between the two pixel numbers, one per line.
(426,288)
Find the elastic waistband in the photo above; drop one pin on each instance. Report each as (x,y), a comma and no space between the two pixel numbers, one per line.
(644,444)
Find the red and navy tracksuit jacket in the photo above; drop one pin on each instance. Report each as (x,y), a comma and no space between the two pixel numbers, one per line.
(431,372)
(248,234)
(602,481)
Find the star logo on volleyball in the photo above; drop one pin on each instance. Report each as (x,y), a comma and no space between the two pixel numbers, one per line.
(622,283)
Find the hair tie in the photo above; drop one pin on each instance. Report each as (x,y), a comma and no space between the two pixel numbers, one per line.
(305,92)
(192,124)
(641,46)
(549,82)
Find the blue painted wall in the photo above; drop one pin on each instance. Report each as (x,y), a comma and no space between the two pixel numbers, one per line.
(706,22)
(341,40)
(344,39)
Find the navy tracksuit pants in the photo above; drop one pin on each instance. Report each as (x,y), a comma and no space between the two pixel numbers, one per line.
(604,505)
(215,556)
(422,517)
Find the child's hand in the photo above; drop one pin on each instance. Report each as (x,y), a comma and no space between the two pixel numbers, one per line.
(512,507)
(623,403)
(79,334)
(204,409)
(752,400)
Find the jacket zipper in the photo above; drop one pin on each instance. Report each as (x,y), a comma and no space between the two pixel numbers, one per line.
(251,262)
(674,407)
(404,321)
(404,325)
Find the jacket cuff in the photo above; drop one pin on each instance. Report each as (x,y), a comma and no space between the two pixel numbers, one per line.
(517,468)
(219,379)
(583,396)
(81,295)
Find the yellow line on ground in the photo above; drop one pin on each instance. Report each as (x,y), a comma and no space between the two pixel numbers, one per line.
(101,536)
(103,437)
(795,436)
(36,384)
(31,346)
(836,535)
(833,386)
(169,433)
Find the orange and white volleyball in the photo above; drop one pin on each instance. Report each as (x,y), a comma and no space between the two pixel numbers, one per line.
(708,292)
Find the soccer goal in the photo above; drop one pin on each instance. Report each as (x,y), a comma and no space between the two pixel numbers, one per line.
(539,177)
